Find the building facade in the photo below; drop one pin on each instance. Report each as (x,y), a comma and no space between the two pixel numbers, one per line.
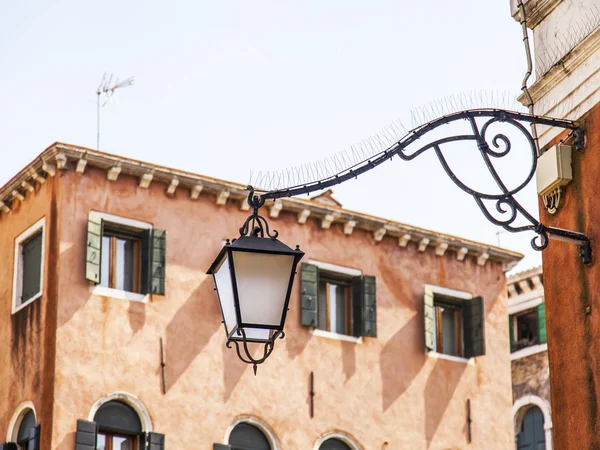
(566,35)
(112,337)
(529,360)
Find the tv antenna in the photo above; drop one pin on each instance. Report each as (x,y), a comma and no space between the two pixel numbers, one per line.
(106,90)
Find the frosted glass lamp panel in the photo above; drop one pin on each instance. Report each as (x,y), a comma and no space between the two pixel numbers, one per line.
(262,284)
(224,285)
(254,334)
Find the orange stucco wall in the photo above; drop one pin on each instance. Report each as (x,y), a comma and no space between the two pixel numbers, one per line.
(383,390)
(572,304)
(28,337)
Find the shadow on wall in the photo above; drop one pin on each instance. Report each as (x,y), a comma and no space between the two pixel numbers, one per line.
(401,360)
(233,369)
(439,390)
(349,359)
(190,330)
(137,316)
(68,442)
(301,334)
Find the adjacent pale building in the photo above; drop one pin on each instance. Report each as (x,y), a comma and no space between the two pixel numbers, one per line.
(111,332)
(529,360)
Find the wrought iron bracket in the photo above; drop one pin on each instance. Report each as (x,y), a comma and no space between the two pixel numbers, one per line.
(244,352)
(500,206)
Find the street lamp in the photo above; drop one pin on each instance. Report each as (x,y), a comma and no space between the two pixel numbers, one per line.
(253,277)
(254,274)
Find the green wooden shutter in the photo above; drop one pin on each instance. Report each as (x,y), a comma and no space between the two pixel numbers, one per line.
(94,248)
(157,262)
(143,441)
(474,326)
(8,446)
(429,319)
(156,441)
(309,288)
(541,314)
(369,306)
(357,306)
(32,266)
(86,435)
(34,438)
(511,333)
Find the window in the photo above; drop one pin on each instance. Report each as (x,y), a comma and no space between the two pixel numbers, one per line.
(121,259)
(335,304)
(454,323)
(532,434)
(119,427)
(339,301)
(125,254)
(527,328)
(248,437)
(448,327)
(26,433)
(29,265)
(334,444)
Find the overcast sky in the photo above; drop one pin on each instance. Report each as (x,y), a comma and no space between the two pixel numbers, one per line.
(222,88)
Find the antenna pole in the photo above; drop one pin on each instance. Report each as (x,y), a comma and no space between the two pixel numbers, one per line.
(107,88)
(98,120)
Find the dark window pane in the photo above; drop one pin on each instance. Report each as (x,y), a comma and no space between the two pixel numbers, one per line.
(334,444)
(32,267)
(322,296)
(247,437)
(105,263)
(27,423)
(125,264)
(532,434)
(337,308)
(117,416)
(527,329)
(449,332)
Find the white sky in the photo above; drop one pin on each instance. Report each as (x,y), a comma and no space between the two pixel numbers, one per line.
(229,86)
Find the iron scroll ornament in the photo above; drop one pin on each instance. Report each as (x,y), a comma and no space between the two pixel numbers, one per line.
(504,200)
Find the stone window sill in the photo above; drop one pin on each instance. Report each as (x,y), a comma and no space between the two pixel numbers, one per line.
(117,293)
(336,336)
(458,359)
(528,351)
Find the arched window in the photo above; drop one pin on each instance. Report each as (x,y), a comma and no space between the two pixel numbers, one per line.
(119,427)
(334,444)
(532,434)
(23,429)
(248,437)
(27,424)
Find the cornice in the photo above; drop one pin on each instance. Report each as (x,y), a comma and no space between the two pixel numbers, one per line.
(535,10)
(61,156)
(563,68)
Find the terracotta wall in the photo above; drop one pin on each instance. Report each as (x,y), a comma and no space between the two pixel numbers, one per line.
(28,336)
(572,308)
(383,390)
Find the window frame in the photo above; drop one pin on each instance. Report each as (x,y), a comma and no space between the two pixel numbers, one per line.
(114,236)
(340,436)
(345,275)
(453,304)
(17,419)
(514,319)
(448,295)
(262,426)
(97,289)
(136,438)
(18,264)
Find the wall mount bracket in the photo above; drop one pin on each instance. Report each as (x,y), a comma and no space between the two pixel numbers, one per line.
(500,207)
